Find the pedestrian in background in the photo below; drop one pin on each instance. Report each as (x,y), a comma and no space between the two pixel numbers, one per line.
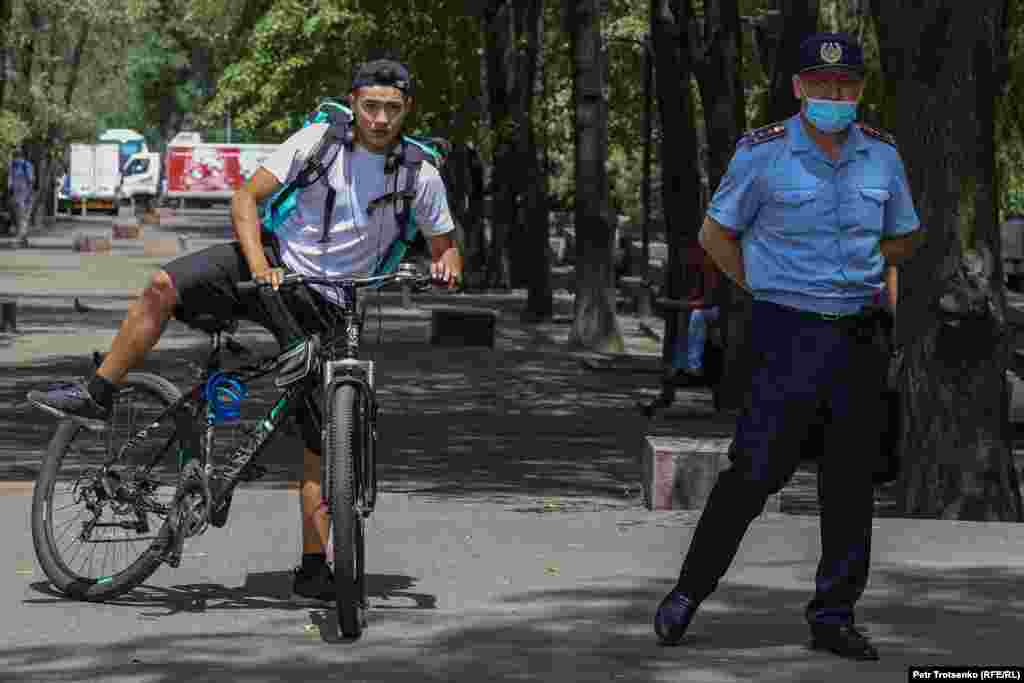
(21,177)
(688,353)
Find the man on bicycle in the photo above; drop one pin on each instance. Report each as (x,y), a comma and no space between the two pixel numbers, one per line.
(205,282)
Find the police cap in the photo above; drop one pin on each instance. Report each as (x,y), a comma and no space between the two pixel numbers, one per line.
(831,51)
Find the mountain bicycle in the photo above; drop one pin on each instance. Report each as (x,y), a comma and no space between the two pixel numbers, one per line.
(157,475)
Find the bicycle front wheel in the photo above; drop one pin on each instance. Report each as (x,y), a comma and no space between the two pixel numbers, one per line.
(344,443)
(101,499)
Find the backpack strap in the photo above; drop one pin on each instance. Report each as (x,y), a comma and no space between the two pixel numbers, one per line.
(411,157)
(339,133)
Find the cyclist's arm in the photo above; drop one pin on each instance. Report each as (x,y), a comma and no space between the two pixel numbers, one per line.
(245,215)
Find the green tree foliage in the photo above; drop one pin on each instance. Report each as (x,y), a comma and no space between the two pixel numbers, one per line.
(1010,122)
(300,52)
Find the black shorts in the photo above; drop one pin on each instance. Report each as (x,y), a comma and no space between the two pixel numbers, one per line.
(206,282)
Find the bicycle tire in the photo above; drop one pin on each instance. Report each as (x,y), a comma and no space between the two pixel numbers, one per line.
(63,578)
(343,445)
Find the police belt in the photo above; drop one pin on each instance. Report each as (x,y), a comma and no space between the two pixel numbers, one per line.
(862,324)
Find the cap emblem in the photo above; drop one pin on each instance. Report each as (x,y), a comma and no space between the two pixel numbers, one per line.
(831,52)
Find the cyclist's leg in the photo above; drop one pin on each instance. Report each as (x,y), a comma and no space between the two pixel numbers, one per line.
(315,531)
(200,281)
(312,579)
(142,327)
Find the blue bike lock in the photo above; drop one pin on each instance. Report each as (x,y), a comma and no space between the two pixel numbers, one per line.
(224,397)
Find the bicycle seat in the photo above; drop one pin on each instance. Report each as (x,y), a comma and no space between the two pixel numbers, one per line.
(212,324)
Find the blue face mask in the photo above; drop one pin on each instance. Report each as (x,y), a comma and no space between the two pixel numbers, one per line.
(831,116)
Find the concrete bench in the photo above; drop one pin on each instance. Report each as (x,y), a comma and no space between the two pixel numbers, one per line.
(638,291)
(126,230)
(90,244)
(462,326)
(679,472)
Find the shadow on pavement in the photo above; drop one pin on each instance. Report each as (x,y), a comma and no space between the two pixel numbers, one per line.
(261,591)
(524,419)
(598,632)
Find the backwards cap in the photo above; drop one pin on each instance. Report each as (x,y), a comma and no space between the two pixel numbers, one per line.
(383,72)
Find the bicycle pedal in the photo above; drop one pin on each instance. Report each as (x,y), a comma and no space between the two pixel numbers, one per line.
(173,556)
(219,516)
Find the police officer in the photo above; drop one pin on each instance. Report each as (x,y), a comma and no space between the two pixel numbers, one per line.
(809,213)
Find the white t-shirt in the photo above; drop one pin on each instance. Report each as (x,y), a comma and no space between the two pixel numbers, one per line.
(357,241)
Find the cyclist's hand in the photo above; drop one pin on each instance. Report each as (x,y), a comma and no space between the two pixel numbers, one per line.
(447,270)
(269,276)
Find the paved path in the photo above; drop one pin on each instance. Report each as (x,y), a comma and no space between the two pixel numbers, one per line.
(509,542)
(472,591)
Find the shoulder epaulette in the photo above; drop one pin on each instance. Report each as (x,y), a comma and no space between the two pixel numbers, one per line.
(887,138)
(757,136)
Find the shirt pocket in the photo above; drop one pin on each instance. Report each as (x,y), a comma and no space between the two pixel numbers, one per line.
(792,210)
(871,208)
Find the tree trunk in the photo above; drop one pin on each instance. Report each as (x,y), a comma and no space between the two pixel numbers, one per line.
(537,261)
(486,205)
(955,447)
(721,89)
(76,62)
(680,181)
(799,19)
(595,325)
(40,148)
(465,199)
(500,46)
(5,47)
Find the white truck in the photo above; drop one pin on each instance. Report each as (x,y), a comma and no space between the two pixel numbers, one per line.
(194,172)
(93,178)
(140,178)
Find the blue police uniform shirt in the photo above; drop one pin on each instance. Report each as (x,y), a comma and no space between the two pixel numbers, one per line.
(809,226)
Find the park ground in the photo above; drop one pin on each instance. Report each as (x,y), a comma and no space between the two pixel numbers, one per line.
(510,541)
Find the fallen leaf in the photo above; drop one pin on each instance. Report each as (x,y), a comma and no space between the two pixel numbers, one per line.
(552,570)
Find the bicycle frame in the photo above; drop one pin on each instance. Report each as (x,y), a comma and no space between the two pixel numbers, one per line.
(196,442)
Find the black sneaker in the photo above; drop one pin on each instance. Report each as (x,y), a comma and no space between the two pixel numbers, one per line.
(314,587)
(71,400)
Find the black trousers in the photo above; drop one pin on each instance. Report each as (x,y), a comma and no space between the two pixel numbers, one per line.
(207,281)
(802,360)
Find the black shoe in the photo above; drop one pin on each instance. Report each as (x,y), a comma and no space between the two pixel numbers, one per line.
(673,617)
(316,587)
(843,640)
(71,400)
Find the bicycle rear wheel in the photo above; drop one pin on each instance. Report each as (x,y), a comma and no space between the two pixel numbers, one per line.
(81,510)
(344,444)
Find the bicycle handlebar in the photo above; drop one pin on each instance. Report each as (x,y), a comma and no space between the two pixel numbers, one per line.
(292,279)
